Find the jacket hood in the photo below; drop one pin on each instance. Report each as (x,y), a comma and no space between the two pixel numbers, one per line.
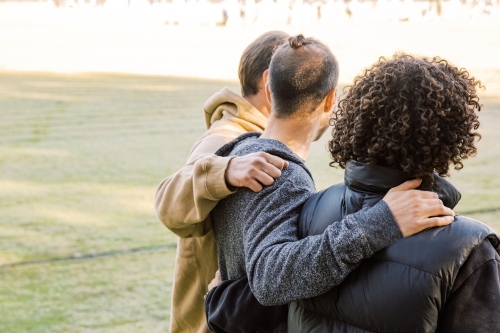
(379,179)
(229,101)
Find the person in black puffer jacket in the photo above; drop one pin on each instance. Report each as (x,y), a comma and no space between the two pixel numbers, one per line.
(407,117)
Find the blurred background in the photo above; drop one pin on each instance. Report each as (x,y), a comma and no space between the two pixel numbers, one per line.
(102,99)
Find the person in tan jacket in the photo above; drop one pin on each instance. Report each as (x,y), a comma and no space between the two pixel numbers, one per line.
(183,201)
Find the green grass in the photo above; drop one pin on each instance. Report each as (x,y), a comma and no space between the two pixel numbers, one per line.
(80,158)
(124,293)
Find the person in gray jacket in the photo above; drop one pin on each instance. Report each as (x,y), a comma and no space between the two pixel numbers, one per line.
(256,233)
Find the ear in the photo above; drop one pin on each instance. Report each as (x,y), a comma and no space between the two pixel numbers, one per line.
(265,77)
(268,93)
(330,100)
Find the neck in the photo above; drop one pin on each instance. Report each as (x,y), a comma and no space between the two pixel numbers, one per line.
(260,103)
(296,133)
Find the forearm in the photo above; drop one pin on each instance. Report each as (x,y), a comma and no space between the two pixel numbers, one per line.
(184,200)
(232,307)
(282,269)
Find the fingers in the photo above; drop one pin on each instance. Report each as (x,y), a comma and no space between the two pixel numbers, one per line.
(416,210)
(212,284)
(264,178)
(437,210)
(216,281)
(407,185)
(259,179)
(278,162)
(254,185)
(437,221)
(427,194)
(254,170)
(267,169)
(433,202)
(270,170)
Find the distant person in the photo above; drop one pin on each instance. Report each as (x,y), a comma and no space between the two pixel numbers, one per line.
(256,233)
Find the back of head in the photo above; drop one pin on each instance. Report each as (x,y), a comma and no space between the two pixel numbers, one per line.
(301,74)
(255,60)
(414,114)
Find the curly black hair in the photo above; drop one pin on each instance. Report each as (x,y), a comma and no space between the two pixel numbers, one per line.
(414,114)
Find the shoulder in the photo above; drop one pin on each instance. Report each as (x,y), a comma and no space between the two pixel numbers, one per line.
(295,181)
(296,173)
(219,134)
(320,210)
(443,249)
(244,144)
(287,193)
(482,255)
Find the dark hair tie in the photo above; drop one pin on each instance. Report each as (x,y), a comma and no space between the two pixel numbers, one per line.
(296,41)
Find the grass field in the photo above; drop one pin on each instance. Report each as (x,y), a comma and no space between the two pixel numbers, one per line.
(80,247)
(80,159)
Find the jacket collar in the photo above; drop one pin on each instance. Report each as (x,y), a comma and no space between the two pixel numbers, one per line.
(379,179)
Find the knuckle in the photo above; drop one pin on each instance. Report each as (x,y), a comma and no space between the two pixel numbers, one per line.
(255,162)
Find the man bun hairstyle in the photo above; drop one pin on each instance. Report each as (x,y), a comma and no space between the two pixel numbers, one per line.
(255,60)
(301,74)
(296,41)
(411,113)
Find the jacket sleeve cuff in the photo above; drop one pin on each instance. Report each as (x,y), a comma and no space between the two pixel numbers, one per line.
(215,182)
(379,226)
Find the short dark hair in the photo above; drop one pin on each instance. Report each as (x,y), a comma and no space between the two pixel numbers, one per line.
(256,58)
(301,73)
(411,113)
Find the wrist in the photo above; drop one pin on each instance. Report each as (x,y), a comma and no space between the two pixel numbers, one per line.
(227,178)
(215,177)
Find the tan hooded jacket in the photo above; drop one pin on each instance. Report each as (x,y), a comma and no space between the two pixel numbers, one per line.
(184,201)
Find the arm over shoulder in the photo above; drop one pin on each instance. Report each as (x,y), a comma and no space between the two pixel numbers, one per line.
(184,200)
(282,269)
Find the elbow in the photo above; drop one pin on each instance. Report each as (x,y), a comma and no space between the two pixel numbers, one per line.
(161,212)
(262,294)
(159,205)
(265,301)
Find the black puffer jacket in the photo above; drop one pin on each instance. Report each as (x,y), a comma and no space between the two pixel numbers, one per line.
(402,288)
